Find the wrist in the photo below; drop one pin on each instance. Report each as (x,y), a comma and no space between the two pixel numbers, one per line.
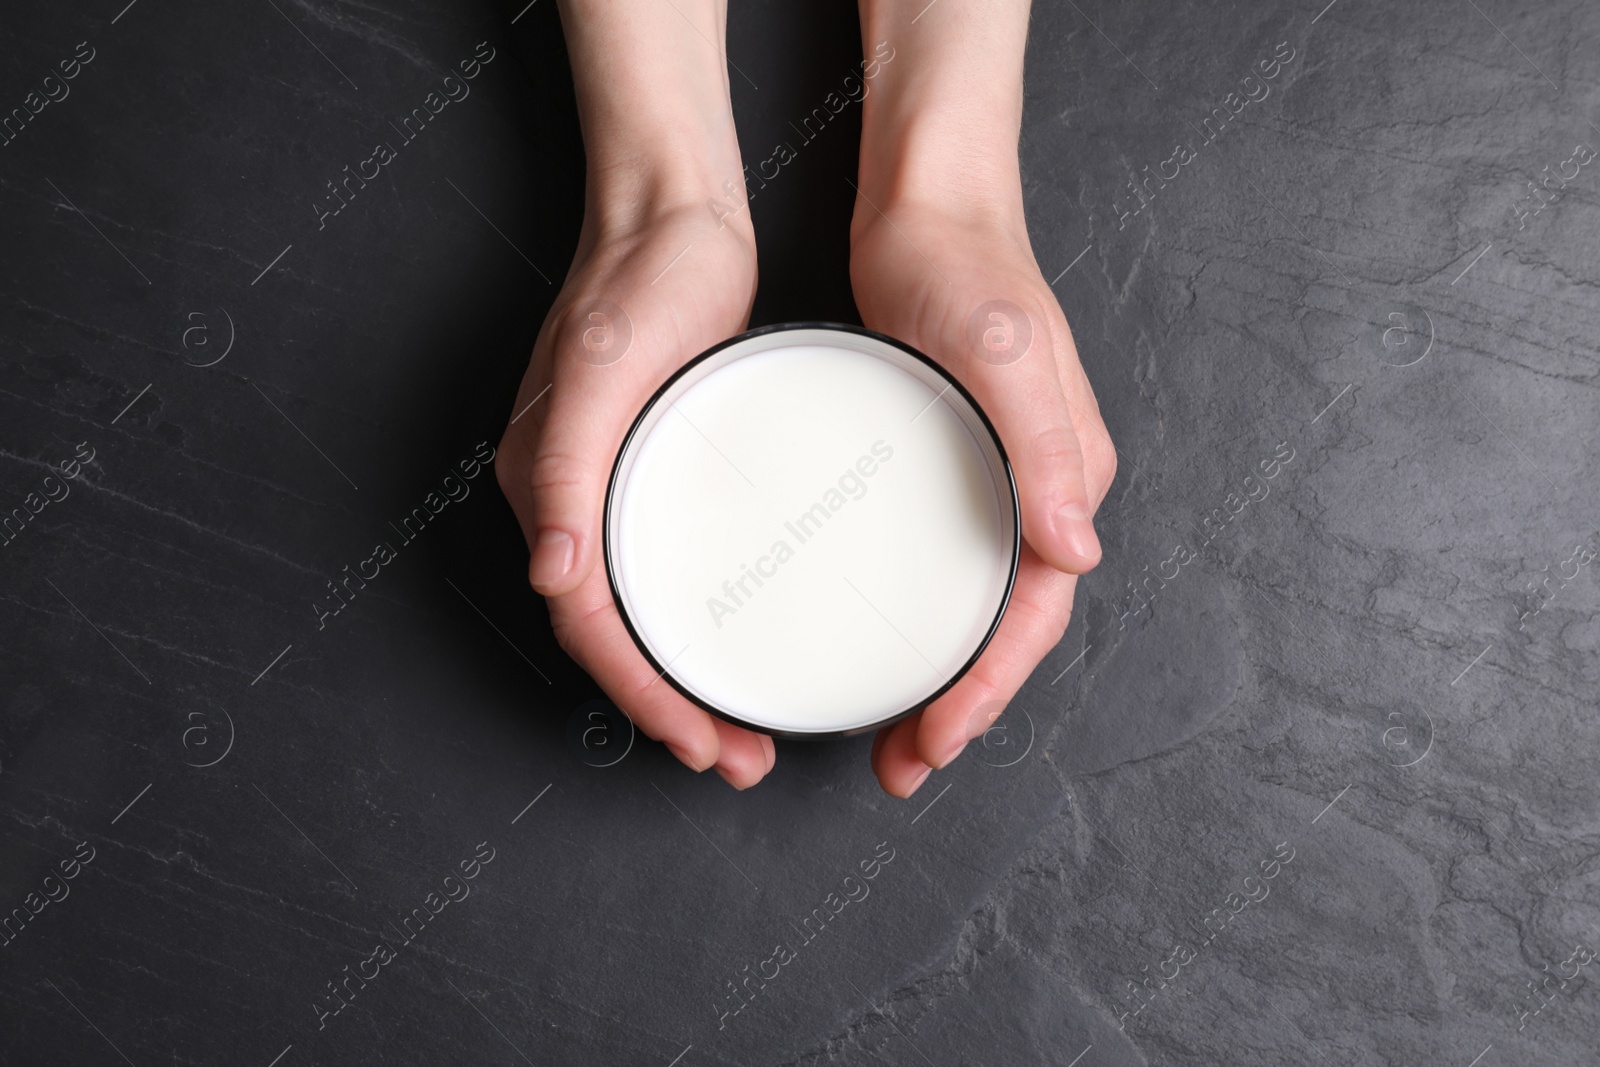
(926,165)
(653,154)
(634,194)
(654,106)
(940,128)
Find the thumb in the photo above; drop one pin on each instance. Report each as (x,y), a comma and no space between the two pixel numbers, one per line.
(1013,372)
(589,410)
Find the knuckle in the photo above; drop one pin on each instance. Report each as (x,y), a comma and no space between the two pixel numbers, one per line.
(1042,631)
(1058,629)
(554,471)
(1046,627)
(1099,464)
(1056,447)
(568,628)
(1045,613)
(564,636)
(1051,621)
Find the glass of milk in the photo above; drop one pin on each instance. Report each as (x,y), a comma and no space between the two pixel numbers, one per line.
(811,530)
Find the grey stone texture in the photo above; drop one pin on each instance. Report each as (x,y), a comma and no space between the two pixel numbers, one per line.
(1326,795)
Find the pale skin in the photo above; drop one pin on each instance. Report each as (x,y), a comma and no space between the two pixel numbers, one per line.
(938,230)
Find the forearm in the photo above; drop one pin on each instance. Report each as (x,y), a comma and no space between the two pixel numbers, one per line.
(942,123)
(652,90)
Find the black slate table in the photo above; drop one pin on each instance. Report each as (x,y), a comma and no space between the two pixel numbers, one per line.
(1310,780)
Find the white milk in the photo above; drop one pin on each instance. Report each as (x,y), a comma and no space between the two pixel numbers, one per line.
(806,535)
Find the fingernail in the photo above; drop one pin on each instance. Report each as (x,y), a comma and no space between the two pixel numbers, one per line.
(951,752)
(923,777)
(553,551)
(686,758)
(1076,531)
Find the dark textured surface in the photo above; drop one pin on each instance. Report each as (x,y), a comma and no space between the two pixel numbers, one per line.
(1374,681)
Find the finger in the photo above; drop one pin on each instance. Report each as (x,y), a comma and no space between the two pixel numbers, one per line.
(1099,451)
(744,757)
(1035,619)
(607,360)
(1019,388)
(590,630)
(895,760)
(1009,356)
(589,410)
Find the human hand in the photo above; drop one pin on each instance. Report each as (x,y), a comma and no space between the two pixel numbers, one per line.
(658,277)
(1041,405)
(934,251)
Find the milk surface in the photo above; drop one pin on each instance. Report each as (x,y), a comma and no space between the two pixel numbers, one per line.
(812,539)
